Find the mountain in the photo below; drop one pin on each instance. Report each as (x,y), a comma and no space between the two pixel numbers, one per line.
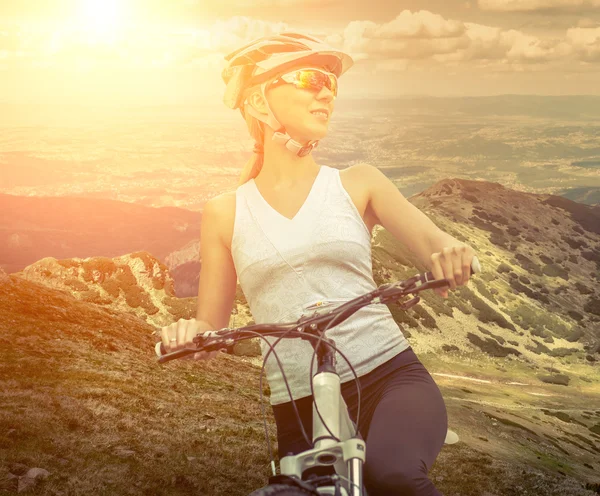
(65,227)
(137,284)
(515,353)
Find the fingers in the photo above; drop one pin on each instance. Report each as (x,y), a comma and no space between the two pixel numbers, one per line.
(180,335)
(173,336)
(453,264)
(182,326)
(438,273)
(165,336)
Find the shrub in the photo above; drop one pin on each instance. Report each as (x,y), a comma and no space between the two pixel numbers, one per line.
(437,303)
(491,347)
(426,319)
(575,335)
(560,379)
(450,347)
(592,306)
(482,288)
(528,264)
(488,314)
(553,270)
(499,239)
(402,316)
(181,308)
(76,284)
(574,243)
(519,288)
(538,349)
(575,315)
(500,339)
(68,262)
(111,286)
(524,280)
(133,296)
(93,296)
(538,331)
(470,198)
(562,352)
(104,266)
(502,268)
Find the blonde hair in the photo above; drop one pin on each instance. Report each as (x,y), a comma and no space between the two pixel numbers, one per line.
(257,131)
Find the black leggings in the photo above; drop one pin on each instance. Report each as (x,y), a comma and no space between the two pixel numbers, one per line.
(402,419)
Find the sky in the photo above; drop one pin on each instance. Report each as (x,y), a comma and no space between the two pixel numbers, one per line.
(158,52)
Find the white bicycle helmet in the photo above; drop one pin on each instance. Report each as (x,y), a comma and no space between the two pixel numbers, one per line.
(270,56)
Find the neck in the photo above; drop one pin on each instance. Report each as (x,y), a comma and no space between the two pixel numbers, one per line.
(282,168)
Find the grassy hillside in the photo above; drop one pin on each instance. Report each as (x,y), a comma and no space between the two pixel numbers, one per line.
(83,398)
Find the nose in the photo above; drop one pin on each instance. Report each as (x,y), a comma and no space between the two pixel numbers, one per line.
(325,94)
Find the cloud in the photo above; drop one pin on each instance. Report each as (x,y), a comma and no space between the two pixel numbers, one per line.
(585,43)
(410,35)
(423,35)
(535,5)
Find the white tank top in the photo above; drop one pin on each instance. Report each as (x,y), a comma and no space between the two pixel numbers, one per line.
(322,254)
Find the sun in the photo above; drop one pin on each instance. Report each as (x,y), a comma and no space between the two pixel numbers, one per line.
(102,17)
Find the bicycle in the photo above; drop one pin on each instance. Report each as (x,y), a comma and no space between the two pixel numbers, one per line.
(336,440)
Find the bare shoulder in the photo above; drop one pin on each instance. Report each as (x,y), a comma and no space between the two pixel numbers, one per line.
(223,207)
(359,178)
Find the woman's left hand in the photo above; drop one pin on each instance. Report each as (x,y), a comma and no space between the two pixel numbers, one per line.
(452,263)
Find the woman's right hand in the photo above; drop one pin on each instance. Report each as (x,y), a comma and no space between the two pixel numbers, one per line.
(180,334)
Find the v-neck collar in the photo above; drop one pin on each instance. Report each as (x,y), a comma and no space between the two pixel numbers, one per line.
(302,207)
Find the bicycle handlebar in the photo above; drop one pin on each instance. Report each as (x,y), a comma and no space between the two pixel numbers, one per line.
(317,322)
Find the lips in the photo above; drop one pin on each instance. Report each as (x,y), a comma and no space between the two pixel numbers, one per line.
(325,111)
(321,115)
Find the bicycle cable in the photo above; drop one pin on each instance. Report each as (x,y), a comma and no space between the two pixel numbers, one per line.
(330,324)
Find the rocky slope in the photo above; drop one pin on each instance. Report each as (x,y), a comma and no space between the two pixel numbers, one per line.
(515,352)
(86,407)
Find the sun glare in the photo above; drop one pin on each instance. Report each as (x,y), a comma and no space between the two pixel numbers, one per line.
(102,18)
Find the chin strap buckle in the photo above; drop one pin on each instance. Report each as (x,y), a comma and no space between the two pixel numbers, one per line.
(294,146)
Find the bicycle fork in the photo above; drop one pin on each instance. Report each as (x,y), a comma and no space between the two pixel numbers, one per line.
(347,455)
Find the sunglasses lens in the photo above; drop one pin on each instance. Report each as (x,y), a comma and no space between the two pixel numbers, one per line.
(310,79)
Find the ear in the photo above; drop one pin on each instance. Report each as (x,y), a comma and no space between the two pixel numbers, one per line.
(258,102)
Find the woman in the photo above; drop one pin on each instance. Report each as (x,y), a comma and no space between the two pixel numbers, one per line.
(296,233)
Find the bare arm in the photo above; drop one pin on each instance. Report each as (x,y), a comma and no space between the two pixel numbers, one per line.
(218,279)
(401,218)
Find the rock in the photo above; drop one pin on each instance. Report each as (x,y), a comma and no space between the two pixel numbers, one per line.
(4,279)
(247,347)
(31,478)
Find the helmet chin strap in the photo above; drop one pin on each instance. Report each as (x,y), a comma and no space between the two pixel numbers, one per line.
(280,135)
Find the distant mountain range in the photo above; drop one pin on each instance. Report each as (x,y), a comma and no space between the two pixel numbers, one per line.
(66,227)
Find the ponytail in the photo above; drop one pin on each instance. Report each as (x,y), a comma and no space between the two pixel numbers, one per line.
(252,168)
(257,131)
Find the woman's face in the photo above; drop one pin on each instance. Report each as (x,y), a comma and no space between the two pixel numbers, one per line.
(293,106)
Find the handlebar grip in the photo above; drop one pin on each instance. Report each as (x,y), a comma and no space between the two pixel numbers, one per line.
(160,351)
(475,268)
